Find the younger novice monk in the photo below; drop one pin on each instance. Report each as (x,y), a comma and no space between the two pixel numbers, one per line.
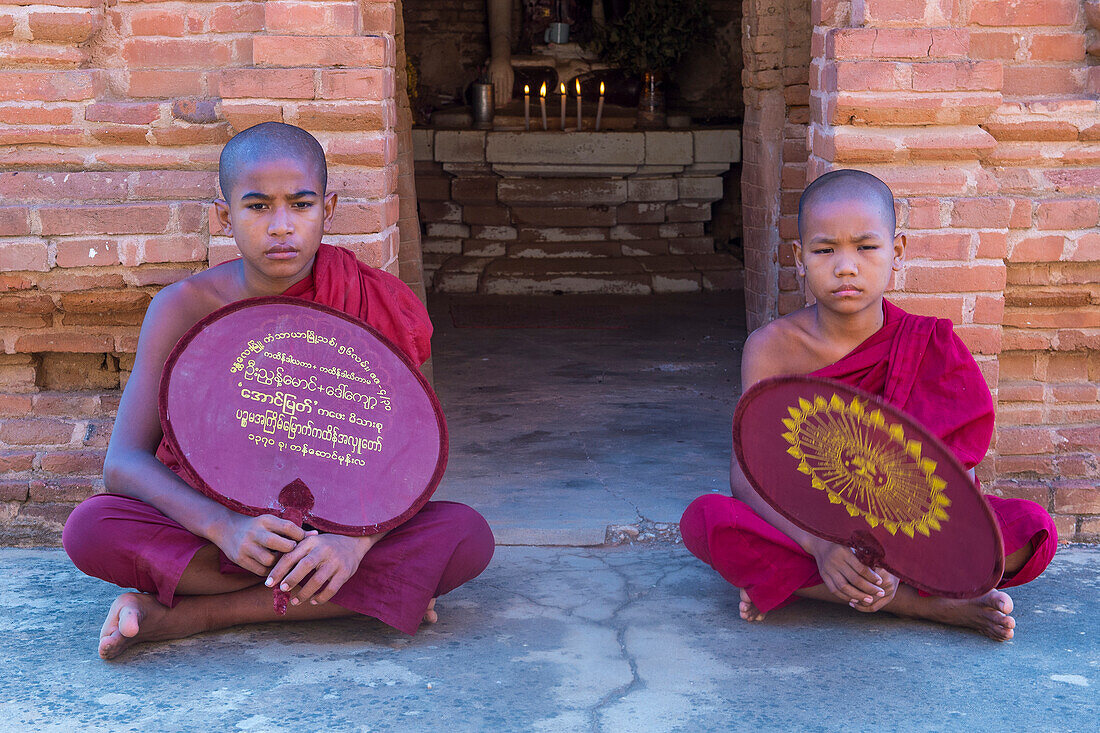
(199,566)
(847,251)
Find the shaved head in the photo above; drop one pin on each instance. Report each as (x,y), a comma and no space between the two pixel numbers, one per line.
(844,185)
(269,141)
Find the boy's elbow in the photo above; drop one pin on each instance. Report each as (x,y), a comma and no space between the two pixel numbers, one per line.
(118,473)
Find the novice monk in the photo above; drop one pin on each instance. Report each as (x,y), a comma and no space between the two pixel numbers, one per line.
(847,251)
(198,565)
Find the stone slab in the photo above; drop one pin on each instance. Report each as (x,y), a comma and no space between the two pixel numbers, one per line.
(668,148)
(717,146)
(460,146)
(570,148)
(423,144)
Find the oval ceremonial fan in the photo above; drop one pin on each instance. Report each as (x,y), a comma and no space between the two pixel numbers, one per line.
(848,467)
(281,406)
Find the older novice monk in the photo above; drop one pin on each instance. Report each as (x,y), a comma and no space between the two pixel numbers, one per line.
(847,252)
(199,566)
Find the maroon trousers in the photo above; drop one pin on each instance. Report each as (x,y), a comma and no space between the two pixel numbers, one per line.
(728,535)
(129,543)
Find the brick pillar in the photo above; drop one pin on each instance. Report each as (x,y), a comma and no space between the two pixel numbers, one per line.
(410,260)
(776,57)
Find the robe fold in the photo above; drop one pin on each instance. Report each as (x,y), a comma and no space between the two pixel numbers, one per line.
(127,542)
(919,365)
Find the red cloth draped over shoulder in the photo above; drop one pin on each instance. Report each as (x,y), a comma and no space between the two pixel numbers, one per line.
(339,280)
(918,364)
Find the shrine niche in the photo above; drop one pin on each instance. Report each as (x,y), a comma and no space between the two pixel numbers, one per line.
(558,96)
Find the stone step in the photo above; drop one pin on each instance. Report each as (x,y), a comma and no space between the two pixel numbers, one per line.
(587,274)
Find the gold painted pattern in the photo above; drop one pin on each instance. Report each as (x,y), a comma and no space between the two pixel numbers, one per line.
(866,464)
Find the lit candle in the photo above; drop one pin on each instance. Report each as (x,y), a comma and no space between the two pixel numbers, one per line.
(526,107)
(562,89)
(599,108)
(578,104)
(542,101)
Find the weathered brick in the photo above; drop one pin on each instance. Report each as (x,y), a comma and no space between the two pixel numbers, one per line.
(983,213)
(63,341)
(72,26)
(1068,214)
(295,18)
(87,462)
(237,18)
(36,431)
(23,255)
(1077,500)
(1045,248)
(264,83)
(371,84)
(119,219)
(62,489)
(954,278)
(164,83)
(345,116)
(1023,12)
(293,51)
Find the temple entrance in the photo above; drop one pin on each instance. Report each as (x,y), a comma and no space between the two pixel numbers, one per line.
(587,284)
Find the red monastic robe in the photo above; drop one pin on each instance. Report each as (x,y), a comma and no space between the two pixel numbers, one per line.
(918,364)
(127,542)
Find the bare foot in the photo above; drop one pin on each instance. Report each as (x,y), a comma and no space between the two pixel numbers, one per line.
(748,609)
(989,614)
(129,621)
(430,616)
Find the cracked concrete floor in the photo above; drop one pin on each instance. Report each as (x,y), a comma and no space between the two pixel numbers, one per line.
(558,639)
(556,434)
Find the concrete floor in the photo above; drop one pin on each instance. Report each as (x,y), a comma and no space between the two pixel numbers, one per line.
(558,639)
(557,434)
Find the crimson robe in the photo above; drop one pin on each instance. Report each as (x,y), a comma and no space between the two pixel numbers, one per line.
(919,365)
(129,543)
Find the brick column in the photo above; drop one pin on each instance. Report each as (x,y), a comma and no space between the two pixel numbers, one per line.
(776,51)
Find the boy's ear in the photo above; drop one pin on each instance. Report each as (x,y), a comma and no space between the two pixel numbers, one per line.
(899,251)
(798,264)
(221,213)
(330,209)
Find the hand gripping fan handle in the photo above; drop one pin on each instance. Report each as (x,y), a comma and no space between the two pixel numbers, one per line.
(295,502)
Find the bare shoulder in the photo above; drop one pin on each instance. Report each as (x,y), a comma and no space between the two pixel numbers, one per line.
(181,305)
(779,347)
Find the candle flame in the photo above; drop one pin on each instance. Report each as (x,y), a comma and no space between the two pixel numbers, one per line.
(578,87)
(526,89)
(542,92)
(601,88)
(562,87)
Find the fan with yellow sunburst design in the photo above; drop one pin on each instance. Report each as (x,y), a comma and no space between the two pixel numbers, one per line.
(852,469)
(870,467)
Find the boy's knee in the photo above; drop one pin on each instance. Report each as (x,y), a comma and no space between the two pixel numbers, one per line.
(474,543)
(693,524)
(83,536)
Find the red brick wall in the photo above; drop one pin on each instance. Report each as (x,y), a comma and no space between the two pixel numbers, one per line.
(112,115)
(982,116)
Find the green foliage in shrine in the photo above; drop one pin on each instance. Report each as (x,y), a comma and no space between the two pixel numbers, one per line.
(653,34)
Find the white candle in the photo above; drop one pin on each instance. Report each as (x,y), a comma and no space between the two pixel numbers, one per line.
(542,102)
(578,105)
(526,107)
(562,86)
(599,108)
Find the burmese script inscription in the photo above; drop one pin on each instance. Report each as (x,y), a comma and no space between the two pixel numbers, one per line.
(331,406)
